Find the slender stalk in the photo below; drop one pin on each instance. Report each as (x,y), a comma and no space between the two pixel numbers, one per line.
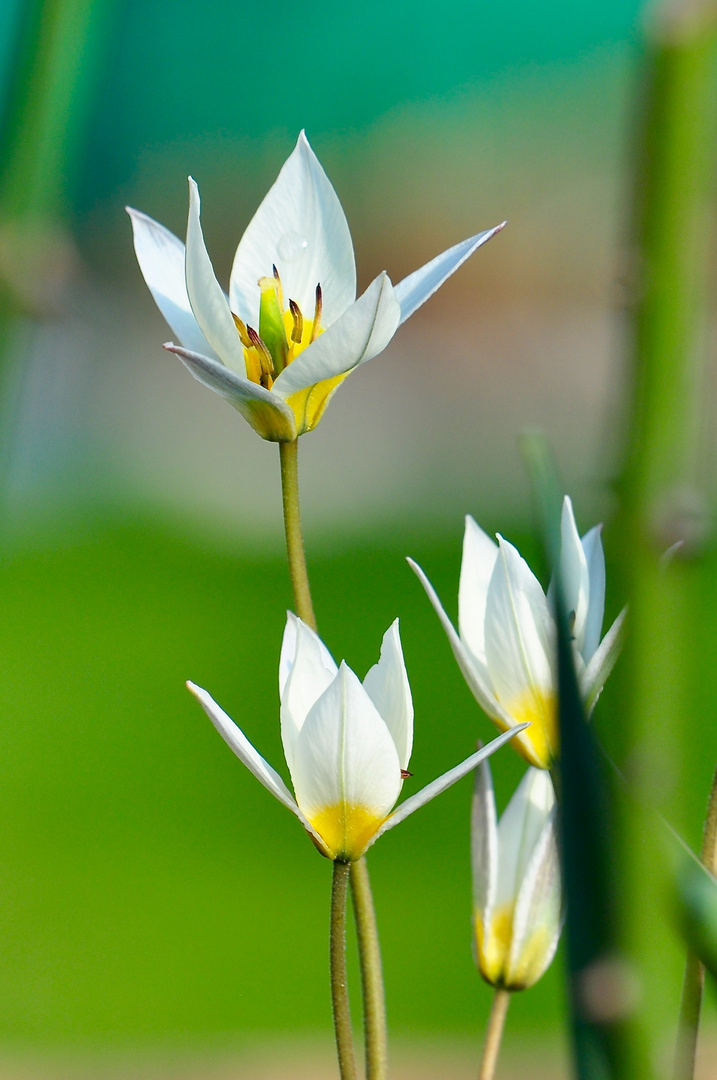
(339,981)
(668,466)
(369,950)
(288,453)
(374,1002)
(494,1034)
(694,980)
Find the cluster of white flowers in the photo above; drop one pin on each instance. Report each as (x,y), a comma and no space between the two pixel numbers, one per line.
(277,347)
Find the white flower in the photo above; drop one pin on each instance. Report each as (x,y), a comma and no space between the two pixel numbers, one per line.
(505,646)
(291,328)
(347,744)
(516,881)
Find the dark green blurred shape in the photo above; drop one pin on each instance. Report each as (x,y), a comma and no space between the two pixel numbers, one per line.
(697,911)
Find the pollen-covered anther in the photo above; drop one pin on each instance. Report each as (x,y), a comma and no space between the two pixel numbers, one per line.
(267,364)
(405,774)
(243,333)
(279,290)
(317,314)
(298,331)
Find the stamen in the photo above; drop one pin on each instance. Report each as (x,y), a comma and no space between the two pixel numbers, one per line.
(279,290)
(405,774)
(317,314)
(298,331)
(241,327)
(267,364)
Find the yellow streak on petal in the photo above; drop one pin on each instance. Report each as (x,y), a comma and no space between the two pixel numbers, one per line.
(309,404)
(531,963)
(539,743)
(346,830)
(493,951)
(266,420)
(493,944)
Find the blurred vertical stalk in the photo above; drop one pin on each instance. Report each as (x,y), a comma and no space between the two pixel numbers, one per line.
(694,977)
(606,1042)
(662,491)
(45,103)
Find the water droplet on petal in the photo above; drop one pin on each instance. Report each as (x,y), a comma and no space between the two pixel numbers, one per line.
(292,247)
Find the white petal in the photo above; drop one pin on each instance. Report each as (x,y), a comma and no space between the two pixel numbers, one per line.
(312,672)
(595,558)
(447,780)
(474,674)
(518,629)
(477,564)
(160,255)
(538,912)
(300,228)
(519,828)
(574,571)
(237,741)
(288,650)
(388,687)
(415,289)
(484,843)
(344,754)
(266,412)
(602,662)
(473,670)
(209,304)
(363,330)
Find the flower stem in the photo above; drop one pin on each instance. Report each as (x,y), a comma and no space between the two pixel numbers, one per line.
(288,453)
(693,983)
(494,1034)
(374,1003)
(339,982)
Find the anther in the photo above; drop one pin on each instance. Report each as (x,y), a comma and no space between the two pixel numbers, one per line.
(298,331)
(243,334)
(267,364)
(405,774)
(279,290)
(317,314)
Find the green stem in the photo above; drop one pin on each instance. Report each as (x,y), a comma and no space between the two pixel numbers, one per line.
(694,980)
(289,456)
(374,1003)
(667,470)
(369,950)
(339,981)
(494,1034)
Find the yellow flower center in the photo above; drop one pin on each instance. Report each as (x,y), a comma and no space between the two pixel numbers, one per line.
(345,829)
(284,333)
(539,743)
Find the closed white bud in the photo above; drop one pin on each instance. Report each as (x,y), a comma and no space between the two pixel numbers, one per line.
(517,906)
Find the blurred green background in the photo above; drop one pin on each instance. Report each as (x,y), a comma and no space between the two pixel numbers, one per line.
(150,891)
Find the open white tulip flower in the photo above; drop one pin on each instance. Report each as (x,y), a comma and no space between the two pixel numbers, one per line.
(347,744)
(291,328)
(506,640)
(517,906)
